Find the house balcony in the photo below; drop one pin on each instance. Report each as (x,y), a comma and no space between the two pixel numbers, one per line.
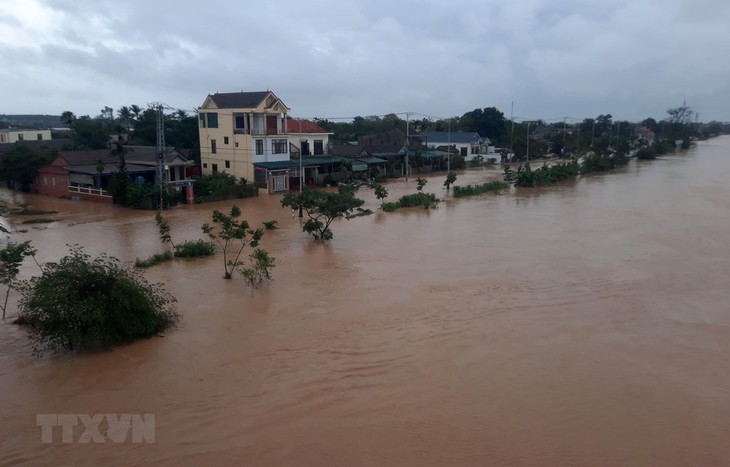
(259,131)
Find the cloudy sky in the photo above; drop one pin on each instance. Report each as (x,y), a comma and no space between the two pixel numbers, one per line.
(552,58)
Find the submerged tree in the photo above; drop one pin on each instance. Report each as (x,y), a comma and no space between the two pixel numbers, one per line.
(230,234)
(381,193)
(81,303)
(11,257)
(421,183)
(450,179)
(322,208)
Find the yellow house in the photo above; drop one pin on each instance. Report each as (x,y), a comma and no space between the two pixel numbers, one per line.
(240,129)
(15,135)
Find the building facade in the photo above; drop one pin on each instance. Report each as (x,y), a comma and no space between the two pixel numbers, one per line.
(240,129)
(15,135)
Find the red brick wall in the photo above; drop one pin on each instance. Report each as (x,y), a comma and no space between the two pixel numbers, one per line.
(45,184)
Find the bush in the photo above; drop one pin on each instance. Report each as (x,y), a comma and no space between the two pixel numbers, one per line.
(417,199)
(526,177)
(472,190)
(152,260)
(83,303)
(222,185)
(193,249)
(390,206)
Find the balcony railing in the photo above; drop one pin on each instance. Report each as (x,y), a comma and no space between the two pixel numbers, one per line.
(258,131)
(88,191)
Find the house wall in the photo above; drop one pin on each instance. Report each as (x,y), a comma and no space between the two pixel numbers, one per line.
(297,138)
(13,136)
(240,149)
(52,184)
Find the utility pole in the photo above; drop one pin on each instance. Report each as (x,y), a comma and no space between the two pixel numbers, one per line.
(161,175)
(448,158)
(301,175)
(564,118)
(408,143)
(512,134)
(618,134)
(528,142)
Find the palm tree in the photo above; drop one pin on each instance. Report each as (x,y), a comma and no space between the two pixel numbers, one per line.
(68,118)
(136,110)
(125,116)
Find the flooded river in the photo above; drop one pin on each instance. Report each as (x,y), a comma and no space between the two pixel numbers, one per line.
(586,323)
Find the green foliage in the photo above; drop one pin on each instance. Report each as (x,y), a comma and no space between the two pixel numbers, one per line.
(329,180)
(390,206)
(19,165)
(260,270)
(458,161)
(381,193)
(222,185)
(83,303)
(230,233)
(526,177)
(602,162)
(509,174)
(425,200)
(421,183)
(472,190)
(271,225)
(194,248)
(359,212)
(450,179)
(322,208)
(11,257)
(152,260)
(163,227)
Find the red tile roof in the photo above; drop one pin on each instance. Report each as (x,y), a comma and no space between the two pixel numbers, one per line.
(307,126)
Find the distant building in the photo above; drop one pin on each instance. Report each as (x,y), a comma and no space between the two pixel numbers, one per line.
(469,144)
(15,135)
(313,139)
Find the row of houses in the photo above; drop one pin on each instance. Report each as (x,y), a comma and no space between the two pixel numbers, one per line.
(250,135)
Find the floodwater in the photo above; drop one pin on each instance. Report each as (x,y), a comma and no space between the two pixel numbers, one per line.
(586,323)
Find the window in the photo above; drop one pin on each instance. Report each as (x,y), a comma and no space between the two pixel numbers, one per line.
(213,147)
(278,146)
(225,140)
(228,164)
(212,120)
(45,180)
(318,147)
(239,122)
(205,165)
(259,147)
(53,181)
(39,136)
(201,118)
(215,167)
(20,136)
(235,144)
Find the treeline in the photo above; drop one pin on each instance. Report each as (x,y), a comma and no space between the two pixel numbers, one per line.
(140,126)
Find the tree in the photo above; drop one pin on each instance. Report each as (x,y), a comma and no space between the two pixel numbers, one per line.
(11,257)
(230,233)
(83,303)
(125,117)
(68,118)
(90,133)
(260,270)
(381,193)
(421,183)
(19,165)
(163,227)
(450,179)
(322,208)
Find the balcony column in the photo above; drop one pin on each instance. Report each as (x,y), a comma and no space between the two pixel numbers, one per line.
(286,123)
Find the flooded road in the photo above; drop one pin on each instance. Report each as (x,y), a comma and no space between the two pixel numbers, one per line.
(586,323)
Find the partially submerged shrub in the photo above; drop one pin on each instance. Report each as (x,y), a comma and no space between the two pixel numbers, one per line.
(152,260)
(194,248)
(83,303)
(472,190)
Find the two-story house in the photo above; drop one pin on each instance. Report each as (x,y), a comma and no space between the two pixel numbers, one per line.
(16,135)
(240,129)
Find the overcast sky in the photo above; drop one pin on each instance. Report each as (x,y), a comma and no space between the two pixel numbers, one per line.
(554,58)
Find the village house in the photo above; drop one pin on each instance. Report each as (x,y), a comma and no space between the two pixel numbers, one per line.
(246,134)
(469,145)
(86,174)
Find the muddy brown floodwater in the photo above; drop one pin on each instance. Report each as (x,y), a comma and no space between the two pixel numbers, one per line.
(586,323)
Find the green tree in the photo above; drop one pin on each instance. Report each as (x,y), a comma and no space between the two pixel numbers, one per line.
(11,257)
(450,179)
(163,227)
(19,165)
(421,183)
(230,233)
(260,270)
(322,208)
(83,303)
(381,193)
